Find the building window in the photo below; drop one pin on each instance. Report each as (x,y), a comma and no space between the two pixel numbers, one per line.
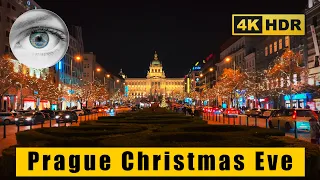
(6,48)
(13,8)
(7,33)
(8,5)
(270,48)
(275,46)
(315,21)
(8,19)
(287,42)
(280,44)
(266,51)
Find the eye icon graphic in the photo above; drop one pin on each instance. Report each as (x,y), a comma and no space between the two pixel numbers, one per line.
(39,38)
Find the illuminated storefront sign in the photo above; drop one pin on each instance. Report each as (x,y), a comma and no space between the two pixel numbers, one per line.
(295,97)
(196,68)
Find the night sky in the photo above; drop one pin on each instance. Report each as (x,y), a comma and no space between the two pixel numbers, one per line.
(125,34)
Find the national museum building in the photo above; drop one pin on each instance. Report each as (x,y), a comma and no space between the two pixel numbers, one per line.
(155,83)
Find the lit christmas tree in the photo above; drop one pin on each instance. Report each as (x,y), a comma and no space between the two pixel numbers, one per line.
(163,103)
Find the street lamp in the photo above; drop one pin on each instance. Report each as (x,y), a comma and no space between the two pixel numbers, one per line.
(211,69)
(77,58)
(21,106)
(234,71)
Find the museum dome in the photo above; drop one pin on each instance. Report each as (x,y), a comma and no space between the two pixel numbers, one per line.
(155,59)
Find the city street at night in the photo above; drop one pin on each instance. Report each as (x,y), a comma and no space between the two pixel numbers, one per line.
(160,89)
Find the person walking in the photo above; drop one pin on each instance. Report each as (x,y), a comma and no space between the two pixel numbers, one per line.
(314,130)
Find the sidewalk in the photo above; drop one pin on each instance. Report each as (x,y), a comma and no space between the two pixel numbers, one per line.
(11,130)
(242,120)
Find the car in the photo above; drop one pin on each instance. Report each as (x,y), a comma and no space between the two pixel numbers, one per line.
(97,109)
(79,112)
(87,111)
(266,113)
(7,117)
(253,112)
(29,118)
(66,116)
(287,118)
(50,114)
(214,110)
(231,112)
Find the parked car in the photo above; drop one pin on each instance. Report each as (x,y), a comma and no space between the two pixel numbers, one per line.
(79,112)
(29,118)
(87,111)
(24,111)
(266,113)
(66,116)
(48,113)
(253,112)
(97,109)
(287,117)
(231,112)
(7,117)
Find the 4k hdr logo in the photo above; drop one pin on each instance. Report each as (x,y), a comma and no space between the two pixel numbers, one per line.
(268,24)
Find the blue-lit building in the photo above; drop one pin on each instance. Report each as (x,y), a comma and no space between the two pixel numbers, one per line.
(66,79)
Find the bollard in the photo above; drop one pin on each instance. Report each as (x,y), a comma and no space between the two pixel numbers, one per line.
(42,124)
(58,123)
(255,121)
(31,125)
(266,122)
(65,123)
(219,117)
(216,117)
(279,124)
(18,127)
(247,121)
(4,130)
(234,120)
(295,130)
(228,119)
(240,123)
(223,119)
(50,122)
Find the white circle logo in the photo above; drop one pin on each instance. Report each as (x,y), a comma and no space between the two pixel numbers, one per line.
(39,38)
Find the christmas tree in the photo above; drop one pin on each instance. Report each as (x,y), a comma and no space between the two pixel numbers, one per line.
(163,102)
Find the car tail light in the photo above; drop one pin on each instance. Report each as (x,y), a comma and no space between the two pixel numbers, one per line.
(294,116)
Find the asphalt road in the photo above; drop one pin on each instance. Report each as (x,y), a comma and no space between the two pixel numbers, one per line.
(242,120)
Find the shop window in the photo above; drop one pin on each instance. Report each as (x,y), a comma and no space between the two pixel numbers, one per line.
(275,47)
(280,44)
(266,51)
(287,42)
(315,21)
(270,48)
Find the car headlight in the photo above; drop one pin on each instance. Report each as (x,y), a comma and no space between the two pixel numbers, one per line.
(28,119)
(16,119)
(57,117)
(67,116)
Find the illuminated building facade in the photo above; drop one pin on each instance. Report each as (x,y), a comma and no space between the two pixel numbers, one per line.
(155,84)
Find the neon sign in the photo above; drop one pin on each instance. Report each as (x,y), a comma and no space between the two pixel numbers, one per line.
(196,68)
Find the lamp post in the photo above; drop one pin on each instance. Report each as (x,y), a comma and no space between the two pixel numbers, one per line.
(234,74)
(20,95)
(77,58)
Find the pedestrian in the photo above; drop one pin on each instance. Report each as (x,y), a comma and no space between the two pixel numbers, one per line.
(314,130)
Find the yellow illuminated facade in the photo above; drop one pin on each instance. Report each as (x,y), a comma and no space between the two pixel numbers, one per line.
(155,83)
